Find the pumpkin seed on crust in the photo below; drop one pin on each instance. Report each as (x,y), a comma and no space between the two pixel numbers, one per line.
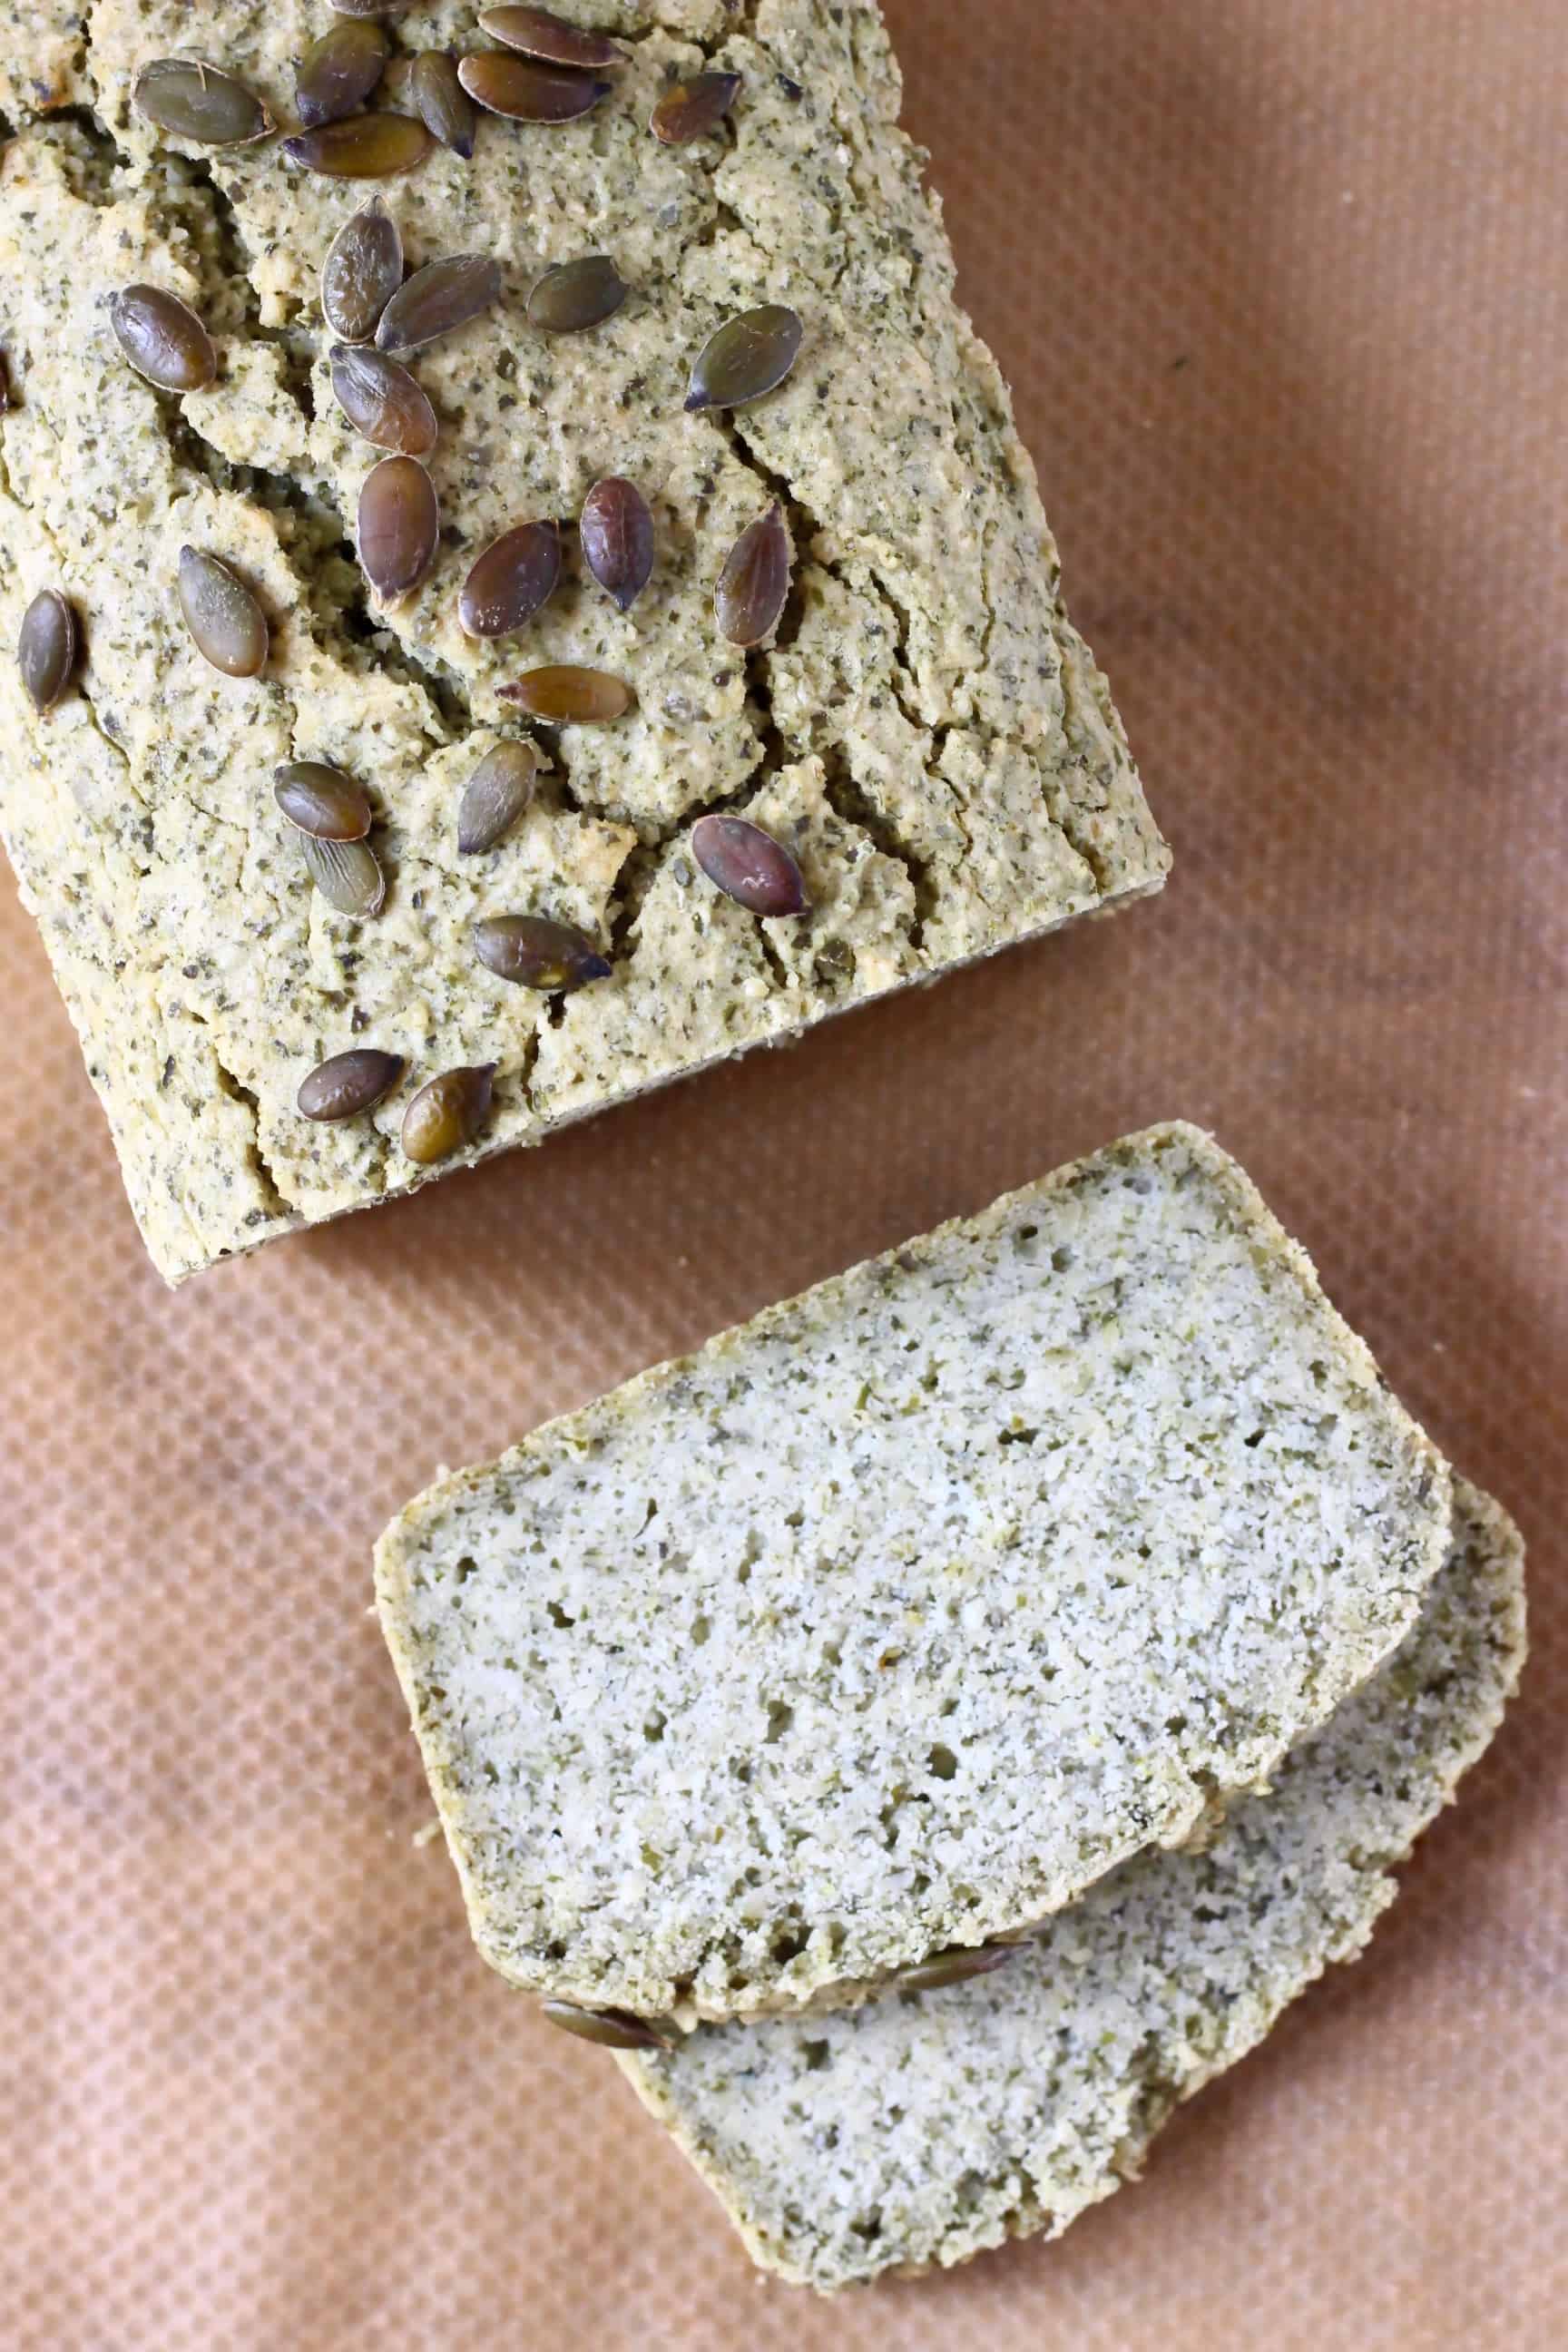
(694,110)
(527,92)
(163,339)
(747,357)
(48,648)
(346,1085)
(364,147)
(192,99)
(447,1114)
(539,33)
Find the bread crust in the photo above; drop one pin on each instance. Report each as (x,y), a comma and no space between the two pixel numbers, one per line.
(928,737)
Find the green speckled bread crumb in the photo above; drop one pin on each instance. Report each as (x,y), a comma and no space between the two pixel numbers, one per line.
(919,2130)
(899,1615)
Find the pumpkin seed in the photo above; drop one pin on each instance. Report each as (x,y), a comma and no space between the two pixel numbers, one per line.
(748,358)
(164,341)
(568,697)
(612,2028)
(441,102)
(754,587)
(227,625)
(495,796)
(537,952)
(399,527)
(576,295)
(955,1967)
(368,7)
(447,1114)
(515,575)
(321,801)
(539,33)
(526,91)
(196,101)
(383,402)
(338,73)
(617,539)
(440,296)
(349,1084)
(48,646)
(365,147)
(5,384)
(690,110)
(362,272)
(347,874)
(749,866)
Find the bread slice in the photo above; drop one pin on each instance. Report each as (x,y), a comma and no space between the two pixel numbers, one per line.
(923,2127)
(895,1618)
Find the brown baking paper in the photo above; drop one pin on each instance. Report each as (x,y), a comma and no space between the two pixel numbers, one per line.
(1280,289)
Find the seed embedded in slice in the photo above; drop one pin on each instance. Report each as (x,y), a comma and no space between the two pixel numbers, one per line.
(576,295)
(537,952)
(496,795)
(399,527)
(617,539)
(747,359)
(347,874)
(163,339)
(612,2028)
(539,33)
(690,110)
(515,575)
(48,646)
(440,296)
(365,147)
(197,101)
(955,1967)
(338,73)
(321,801)
(441,102)
(527,92)
(349,1084)
(754,587)
(447,1114)
(227,626)
(749,866)
(383,402)
(568,697)
(362,272)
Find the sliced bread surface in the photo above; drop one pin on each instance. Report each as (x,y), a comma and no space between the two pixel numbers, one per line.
(898,1616)
(921,2128)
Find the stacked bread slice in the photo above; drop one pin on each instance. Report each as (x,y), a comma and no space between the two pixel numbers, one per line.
(924,2126)
(1066,1579)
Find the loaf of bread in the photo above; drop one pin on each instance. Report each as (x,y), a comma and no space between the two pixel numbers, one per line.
(897,1617)
(923,2127)
(922,738)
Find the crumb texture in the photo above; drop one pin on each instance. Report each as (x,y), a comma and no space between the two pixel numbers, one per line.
(928,735)
(899,1615)
(920,2129)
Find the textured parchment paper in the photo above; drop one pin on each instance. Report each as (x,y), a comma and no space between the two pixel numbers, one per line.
(1281,284)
